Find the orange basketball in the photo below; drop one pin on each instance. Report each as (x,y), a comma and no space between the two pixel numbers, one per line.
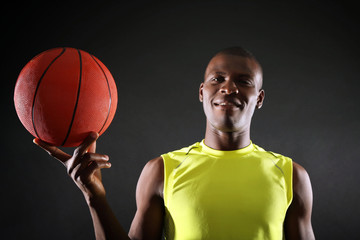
(64,93)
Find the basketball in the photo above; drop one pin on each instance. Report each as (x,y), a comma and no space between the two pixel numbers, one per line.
(64,93)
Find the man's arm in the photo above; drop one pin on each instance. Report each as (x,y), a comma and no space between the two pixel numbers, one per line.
(84,168)
(297,224)
(149,217)
(148,220)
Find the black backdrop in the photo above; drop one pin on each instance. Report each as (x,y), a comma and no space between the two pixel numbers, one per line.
(157,52)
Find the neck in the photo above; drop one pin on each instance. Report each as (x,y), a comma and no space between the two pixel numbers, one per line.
(226,141)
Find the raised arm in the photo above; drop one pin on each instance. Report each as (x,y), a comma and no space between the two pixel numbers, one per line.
(298,217)
(84,168)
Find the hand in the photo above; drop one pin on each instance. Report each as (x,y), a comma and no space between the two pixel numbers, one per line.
(83,166)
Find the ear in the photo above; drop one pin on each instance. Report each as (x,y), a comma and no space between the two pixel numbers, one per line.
(201,92)
(260,99)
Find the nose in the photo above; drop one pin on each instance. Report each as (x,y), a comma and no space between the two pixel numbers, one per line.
(229,87)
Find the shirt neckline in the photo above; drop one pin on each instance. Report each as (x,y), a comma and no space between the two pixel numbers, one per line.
(221,153)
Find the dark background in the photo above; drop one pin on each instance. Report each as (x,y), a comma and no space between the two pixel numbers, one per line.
(157,52)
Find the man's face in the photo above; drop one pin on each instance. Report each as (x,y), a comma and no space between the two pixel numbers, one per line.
(231,91)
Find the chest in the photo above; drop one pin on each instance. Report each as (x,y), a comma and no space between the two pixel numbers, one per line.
(231,196)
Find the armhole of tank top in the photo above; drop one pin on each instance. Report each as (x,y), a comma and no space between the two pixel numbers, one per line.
(288,178)
(290,187)
(165,157)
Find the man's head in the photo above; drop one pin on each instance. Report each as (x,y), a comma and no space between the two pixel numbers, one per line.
(231,90)
(241,52)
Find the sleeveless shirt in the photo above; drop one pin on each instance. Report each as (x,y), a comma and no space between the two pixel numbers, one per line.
(213,194)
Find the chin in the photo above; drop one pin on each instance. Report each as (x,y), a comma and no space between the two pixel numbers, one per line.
(228,127)
(230,130)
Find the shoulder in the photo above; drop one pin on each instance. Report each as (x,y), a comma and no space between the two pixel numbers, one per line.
(155,165)
(281,161)
(152,177)
(172,159)
(301,179)
(298,217)
(299,171)
(270,154)
(179,153)
(302,190)
(148,219)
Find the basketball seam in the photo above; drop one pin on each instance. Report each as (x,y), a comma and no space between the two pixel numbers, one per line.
(77,101)
(107,81)
(37,88)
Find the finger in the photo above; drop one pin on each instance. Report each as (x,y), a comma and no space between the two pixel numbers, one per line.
(85,160)
(92,147)
(91,169)
(90,139)
(82,149)
(52,150)
(90,157)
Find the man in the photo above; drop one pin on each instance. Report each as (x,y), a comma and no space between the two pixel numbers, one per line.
(224,187)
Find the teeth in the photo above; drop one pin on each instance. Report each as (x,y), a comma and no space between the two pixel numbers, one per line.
(224,104)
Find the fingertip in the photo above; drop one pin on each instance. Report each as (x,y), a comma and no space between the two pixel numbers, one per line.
(105,165)
(39,143)
(94,135)
(88,143)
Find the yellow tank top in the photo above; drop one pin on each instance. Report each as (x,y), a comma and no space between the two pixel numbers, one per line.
(212,194)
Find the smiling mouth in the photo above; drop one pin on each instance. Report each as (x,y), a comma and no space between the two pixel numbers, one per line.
(227,104)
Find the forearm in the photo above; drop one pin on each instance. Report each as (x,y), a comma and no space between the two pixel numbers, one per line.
(106,226)
(84,169)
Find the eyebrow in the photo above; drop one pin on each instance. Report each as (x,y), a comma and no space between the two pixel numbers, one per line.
(247,75)
(240,75)
(220,73)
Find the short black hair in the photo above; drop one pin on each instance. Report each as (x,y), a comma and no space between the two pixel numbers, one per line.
(238,51)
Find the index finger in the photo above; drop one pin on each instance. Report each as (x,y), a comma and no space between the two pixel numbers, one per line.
(92,147)
(87,144)
(52,150)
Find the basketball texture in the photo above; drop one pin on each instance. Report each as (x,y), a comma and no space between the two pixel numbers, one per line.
(64,93)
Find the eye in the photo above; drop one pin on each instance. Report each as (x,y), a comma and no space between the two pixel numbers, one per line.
(217,79)
(245,81)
